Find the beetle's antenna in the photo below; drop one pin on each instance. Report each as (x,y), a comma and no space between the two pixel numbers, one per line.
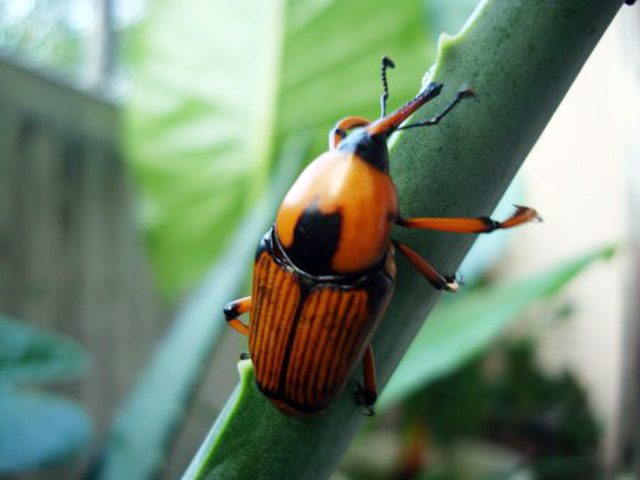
(467,92)
(386,63)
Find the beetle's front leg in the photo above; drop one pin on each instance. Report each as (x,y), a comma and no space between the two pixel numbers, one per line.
(233,310)
(367,394)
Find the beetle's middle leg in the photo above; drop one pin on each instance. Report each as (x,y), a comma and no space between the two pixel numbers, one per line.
(233,310)
(367,394)
(426,269)
(470,225)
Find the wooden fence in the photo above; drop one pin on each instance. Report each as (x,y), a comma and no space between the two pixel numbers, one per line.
(70,258)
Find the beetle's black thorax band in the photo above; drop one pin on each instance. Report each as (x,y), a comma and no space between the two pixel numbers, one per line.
(374,279)
(271,244)
(372,149)
(315,240)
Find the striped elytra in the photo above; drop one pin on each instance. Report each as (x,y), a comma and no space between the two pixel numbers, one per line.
(307,334)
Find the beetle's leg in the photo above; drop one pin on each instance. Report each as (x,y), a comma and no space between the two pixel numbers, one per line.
(368,393)
(386,63)
(467,92)
(342,127)
(438,281)
(233,310)
(471,225)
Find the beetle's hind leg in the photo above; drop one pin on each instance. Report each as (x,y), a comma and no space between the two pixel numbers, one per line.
(471,225)
(233,310)
(367,394)
(426,269)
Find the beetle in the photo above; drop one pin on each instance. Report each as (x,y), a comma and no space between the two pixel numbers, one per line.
(325,271)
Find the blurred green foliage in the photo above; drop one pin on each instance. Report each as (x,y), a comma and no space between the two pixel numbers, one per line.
(38,428)
(544,417)
(461,328)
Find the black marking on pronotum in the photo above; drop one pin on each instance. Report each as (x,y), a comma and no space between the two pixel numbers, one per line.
(371,148)
(307,280)
(315,240)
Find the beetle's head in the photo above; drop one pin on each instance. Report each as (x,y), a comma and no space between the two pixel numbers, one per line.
(371,148)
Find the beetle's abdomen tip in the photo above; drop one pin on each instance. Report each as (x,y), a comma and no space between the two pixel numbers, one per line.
(291,411)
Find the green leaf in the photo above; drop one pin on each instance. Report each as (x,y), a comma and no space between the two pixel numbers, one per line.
(461,328)
(220,85)
(147,420)
(29,354)
(521,57)
(38,428)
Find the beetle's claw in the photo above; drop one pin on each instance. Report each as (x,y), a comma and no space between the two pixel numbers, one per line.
(365,399)
(452,285)
(245,356)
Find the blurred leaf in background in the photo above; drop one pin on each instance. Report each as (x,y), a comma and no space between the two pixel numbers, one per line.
(445,396)
(221,86)
(461,328)
(38,428)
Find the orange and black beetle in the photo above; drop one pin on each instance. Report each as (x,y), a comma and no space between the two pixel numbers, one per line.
(324,273)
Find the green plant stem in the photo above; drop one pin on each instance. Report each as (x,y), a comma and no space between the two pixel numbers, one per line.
(520,57)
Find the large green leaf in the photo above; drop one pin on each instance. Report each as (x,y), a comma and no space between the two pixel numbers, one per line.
(221,84)
(463,327)
(38,428)
(29,354)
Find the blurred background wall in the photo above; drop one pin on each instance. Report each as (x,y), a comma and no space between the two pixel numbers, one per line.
(581,175)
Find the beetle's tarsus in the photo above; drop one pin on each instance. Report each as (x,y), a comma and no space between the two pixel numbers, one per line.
(464,93)
(467,93)
(452,285)
(365,398)
(520,209)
